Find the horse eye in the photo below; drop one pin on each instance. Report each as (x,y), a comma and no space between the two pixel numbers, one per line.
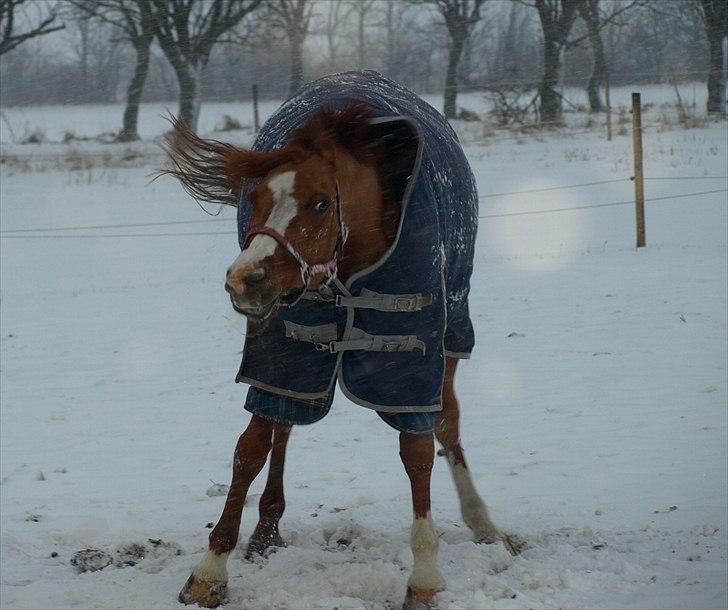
(321,206)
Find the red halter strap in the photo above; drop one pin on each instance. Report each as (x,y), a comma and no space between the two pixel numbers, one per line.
(308,271)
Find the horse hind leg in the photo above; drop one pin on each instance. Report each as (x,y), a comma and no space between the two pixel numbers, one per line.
(207,585)
(272,502)
(447,430)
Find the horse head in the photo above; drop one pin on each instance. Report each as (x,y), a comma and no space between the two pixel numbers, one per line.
(303,198)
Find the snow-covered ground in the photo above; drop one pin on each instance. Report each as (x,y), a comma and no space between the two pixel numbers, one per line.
(596,431)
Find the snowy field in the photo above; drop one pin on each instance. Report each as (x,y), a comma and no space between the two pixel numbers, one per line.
(594,408)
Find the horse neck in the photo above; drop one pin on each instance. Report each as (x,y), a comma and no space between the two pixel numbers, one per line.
(368,211)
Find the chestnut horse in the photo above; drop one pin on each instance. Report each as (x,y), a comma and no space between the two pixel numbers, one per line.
(319,209)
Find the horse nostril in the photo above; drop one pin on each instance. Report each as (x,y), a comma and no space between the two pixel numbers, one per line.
(256,278)
(229,289)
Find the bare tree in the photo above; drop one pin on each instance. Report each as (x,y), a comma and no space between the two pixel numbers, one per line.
(187,30)
(133,18)
(10,37)
(557,17)
(336,13)
(460,16)
(715,19)
(596,17)
(362,9)
(293,17)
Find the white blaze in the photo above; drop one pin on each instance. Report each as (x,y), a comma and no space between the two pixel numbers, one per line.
(285,208)
(425,574)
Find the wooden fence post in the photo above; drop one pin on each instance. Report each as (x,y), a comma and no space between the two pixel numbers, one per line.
(609,108)
(639,182)
(256,116)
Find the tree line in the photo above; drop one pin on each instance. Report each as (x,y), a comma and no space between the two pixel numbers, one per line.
(215,49)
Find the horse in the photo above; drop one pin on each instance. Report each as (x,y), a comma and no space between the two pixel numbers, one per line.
(357,212)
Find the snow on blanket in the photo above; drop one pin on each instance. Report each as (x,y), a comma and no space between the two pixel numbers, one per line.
(594,407)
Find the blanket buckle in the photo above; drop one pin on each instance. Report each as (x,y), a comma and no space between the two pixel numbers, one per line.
(325,347)
(405,304)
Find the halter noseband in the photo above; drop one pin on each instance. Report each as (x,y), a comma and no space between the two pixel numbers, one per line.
(308,270)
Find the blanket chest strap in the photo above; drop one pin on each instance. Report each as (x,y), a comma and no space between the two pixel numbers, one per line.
(373,343)
(385,302)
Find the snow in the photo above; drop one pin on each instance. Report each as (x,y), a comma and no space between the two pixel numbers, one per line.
(594,407)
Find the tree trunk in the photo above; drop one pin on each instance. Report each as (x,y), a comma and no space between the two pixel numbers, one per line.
(451,79)
(598,62)
(550,108)
(129,129)
(716,79)
(362,38)
(189,94)
(296,41)
(390,39)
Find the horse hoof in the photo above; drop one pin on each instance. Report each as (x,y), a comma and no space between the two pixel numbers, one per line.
(513,544)
(204,593)
(419,599)
(259,547)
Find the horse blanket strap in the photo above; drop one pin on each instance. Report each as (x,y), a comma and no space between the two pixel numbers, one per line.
(311,334)
(385,302)
(373,343)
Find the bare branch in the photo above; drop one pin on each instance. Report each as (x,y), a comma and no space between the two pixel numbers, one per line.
(11,39)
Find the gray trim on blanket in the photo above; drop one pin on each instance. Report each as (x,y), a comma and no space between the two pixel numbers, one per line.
(282,391)
(385,409)
(458,355)
(405,198)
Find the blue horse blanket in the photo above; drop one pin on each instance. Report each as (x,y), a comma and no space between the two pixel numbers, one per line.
(386,331)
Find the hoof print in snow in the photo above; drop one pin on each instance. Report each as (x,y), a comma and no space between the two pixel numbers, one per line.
(90,560)
(34,518)
(133,553)
(669,510)
(515,335)
(129,555)
(160,547)
(217,489)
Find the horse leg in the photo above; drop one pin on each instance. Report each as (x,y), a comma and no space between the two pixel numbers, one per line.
(447,431)
(207,586)
(272,502)
(417,452)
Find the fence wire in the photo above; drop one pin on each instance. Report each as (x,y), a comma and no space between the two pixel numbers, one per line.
(203,233)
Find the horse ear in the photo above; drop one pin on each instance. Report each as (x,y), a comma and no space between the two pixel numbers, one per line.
(214,171)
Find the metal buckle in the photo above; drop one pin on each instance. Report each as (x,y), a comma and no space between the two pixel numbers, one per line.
(337,300)
(325,347)
(405,303)
(391,346)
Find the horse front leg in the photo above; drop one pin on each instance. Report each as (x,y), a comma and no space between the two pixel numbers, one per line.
(417,452)
(272,502)
(207,585)
(447,430)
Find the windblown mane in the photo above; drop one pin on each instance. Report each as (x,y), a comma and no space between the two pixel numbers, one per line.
(348,128)
(213,171)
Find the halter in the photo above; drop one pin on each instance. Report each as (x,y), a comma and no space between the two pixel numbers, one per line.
(308,270)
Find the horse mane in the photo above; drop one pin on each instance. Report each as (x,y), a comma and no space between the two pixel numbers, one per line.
(348,127)
(213,171)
